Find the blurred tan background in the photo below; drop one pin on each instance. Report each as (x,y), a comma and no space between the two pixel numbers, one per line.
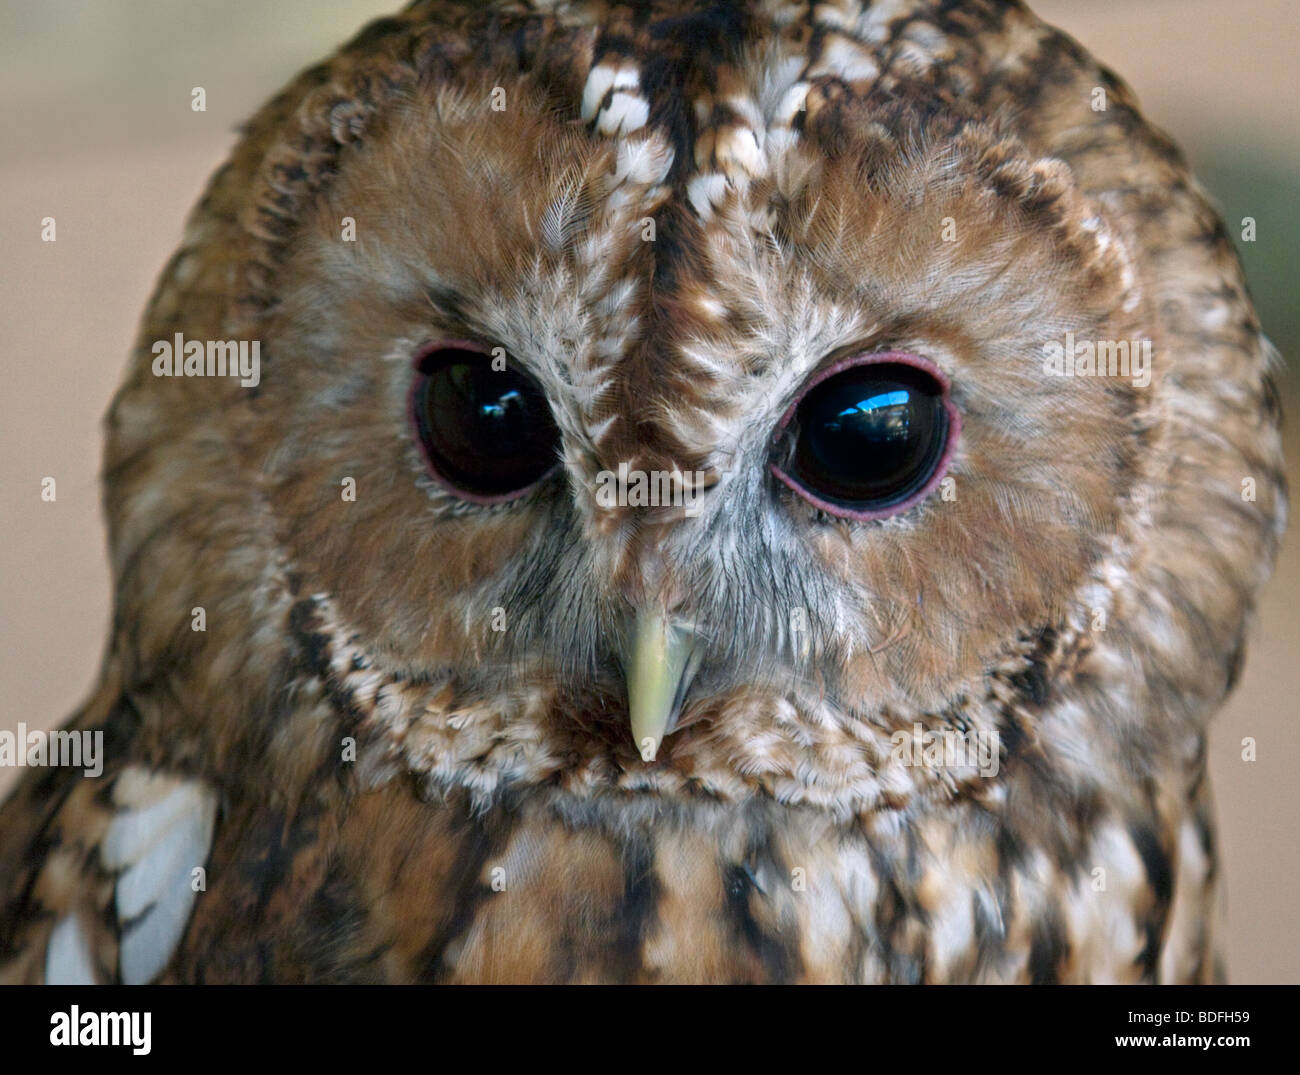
(97,132)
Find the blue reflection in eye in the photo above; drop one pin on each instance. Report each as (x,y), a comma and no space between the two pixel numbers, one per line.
(876,408)
(502,404)
(871,403)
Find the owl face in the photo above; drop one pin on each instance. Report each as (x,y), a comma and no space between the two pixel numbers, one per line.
(675,418)
(811,578)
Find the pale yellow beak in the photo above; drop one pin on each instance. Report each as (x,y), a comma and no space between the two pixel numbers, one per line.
(663,656)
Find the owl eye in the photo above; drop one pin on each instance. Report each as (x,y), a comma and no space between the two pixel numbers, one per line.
(868,437)
(487,433)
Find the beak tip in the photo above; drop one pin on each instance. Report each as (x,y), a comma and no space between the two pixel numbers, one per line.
(661,663)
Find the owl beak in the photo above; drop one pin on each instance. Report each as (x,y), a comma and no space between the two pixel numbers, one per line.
(664,656)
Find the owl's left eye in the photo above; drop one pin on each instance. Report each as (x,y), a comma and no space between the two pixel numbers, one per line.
(868,437)
(487,432)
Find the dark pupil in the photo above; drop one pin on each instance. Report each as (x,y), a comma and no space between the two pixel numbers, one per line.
(487,431)
(871,435)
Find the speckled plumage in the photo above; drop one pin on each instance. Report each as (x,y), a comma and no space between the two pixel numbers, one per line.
(798,162)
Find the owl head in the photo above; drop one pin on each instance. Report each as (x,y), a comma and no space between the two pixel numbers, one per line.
(696,399)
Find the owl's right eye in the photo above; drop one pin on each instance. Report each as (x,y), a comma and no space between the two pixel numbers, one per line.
(487,433)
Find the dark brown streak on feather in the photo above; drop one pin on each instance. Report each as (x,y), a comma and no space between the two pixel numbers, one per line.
(894,909)
(314,656)
(773,953)
(279,839)
(776,953)
(637,911)
(1159,871)
(334,919)
(1048,949)
(479,838)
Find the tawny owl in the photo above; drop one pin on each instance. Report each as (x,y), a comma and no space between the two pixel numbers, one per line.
(652,492)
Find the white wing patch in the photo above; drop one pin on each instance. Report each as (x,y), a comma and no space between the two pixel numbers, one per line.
(67,959)
(162,832)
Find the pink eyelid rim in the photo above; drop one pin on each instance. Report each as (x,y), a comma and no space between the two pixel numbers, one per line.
(880,358)
(422,353)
